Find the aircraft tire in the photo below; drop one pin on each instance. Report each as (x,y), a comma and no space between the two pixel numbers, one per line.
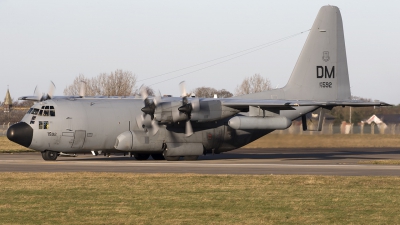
(49,155)
(158,156)
(141,156)
(172,158)
(191,157)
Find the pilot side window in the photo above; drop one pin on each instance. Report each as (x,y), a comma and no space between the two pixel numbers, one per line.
(29,111)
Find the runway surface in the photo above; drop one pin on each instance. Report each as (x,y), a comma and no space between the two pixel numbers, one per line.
(324,161)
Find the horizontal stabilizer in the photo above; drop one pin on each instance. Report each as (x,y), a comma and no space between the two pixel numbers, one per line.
(289,104)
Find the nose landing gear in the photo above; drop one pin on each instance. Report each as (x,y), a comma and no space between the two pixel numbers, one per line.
(49,155)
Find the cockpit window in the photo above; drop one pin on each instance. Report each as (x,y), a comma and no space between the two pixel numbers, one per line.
(29,111)
(35,111)
(52,111)
(44,111)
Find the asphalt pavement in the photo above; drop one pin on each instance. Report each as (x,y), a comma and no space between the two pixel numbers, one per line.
(324,161)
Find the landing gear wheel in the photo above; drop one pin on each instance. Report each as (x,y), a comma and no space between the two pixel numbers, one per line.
(157,156)
(141,156)
(49,155)
(172,158)
(191,157)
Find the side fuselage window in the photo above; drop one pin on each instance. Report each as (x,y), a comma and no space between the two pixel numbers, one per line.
(43,124)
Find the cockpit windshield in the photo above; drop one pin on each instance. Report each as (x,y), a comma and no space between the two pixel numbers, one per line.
(43,111)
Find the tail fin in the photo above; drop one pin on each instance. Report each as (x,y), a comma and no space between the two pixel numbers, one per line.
(321,71)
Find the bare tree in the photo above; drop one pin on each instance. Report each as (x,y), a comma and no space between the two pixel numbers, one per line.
(208,92)
(361,98)
(253,84)
(224,94)
(204,92)
(118,83)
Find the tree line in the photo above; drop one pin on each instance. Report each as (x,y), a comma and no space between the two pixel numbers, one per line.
(123,83)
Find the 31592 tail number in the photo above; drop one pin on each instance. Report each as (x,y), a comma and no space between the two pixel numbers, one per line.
(325,84)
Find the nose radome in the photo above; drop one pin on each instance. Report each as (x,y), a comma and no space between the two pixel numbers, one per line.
(20,133)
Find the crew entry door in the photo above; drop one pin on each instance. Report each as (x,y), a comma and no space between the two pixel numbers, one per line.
(79,139)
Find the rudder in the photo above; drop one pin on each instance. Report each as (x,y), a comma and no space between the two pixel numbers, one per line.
(321,71)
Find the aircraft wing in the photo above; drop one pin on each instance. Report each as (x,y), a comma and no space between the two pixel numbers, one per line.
(352,103)
(36,98)
(29,98)
(290,104)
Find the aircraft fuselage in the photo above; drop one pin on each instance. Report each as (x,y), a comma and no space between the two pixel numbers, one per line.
(82,125)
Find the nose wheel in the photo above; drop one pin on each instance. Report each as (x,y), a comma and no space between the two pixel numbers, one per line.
(49,155)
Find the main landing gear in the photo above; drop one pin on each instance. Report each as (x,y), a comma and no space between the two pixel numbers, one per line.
(141,156)
(50,155)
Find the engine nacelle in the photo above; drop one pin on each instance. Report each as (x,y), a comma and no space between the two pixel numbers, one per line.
(259,123)
(167,112)
(205,111)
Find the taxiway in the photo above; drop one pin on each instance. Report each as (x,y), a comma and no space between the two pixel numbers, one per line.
(326,161)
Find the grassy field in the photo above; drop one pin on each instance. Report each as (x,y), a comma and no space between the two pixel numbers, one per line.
(107,198)
(9,146)
(325,141)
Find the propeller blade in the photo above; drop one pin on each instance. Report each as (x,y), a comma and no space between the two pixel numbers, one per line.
(195,104)
(143,92)
(139,121)
(182,85)
(82,89)
(154,127)
(157,98)
(144,121)
(37,93)
(188,129)
(52,88)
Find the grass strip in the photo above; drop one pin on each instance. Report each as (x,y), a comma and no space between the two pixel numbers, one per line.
(380,162)
(115,198)
(7,146)
(326,141)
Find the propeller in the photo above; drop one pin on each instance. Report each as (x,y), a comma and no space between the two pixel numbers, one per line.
(149,108)
(187,108)
(43,97)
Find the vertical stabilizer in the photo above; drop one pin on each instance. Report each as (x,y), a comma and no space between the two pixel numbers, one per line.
(321,71)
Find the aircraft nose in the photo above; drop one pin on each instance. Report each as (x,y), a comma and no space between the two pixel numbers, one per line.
(20,133)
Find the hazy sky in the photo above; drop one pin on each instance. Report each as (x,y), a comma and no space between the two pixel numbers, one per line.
(43,41)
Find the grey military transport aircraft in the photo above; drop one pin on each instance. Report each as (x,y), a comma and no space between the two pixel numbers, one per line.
(173,127)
